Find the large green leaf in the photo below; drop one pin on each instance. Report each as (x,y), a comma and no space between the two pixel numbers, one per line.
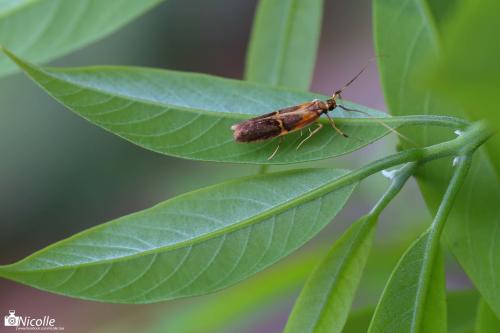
(324,303)
(414,297)
(190,115)
(285,36)
(473,232)
(193,244)
(474,79)
(40,30)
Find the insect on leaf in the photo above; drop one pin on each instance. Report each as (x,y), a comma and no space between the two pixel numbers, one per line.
(190,115)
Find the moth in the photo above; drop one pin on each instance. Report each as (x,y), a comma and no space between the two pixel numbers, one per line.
(291,119)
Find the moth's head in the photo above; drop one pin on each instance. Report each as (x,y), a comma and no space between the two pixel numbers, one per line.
(332,103)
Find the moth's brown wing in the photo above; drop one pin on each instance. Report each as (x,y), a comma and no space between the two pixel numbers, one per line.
(278,123)
(303,106)
(254,130)
(267,115)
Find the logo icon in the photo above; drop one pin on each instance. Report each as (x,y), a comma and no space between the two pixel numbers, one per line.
(11,319)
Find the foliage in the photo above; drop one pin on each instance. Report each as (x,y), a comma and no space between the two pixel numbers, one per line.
(41,30)
(212,238)
(419,45)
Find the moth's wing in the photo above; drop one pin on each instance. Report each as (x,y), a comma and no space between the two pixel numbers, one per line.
(299,108)
(276,123)
(254,130)
(295,108)
(300,116)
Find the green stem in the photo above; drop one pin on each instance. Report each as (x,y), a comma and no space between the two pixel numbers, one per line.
(397,184)
(475,135)
(416,120)
(433,243)
(456,182)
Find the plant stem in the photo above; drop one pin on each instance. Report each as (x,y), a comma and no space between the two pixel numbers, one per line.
(397,184)
(436,228)
(415,120)
(475,135)
(456,182)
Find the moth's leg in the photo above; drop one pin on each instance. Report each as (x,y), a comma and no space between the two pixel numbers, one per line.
(311,133)
(335,126)
(277,148)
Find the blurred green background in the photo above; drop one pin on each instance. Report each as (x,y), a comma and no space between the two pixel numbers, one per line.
(60,175)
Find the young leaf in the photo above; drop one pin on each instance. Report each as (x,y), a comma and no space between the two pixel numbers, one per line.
(461,316)
(413,300)
(473,233)
(284,41)
(324,303)
(40,30)
(414,297)
(190,115)
(487,320)
(193,244)
(358,321)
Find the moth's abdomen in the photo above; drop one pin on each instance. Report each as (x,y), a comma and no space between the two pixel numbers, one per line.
(256,130)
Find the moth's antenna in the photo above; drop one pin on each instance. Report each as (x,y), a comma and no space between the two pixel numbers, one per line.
(338,92)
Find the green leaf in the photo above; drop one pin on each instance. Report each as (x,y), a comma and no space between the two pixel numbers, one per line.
(461,315)
(40,30)
(473,232)
(284,42)
(414,297)
(324,303)
(487,320)
(358,321)
(472,80)
(190,115)
(193,244)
